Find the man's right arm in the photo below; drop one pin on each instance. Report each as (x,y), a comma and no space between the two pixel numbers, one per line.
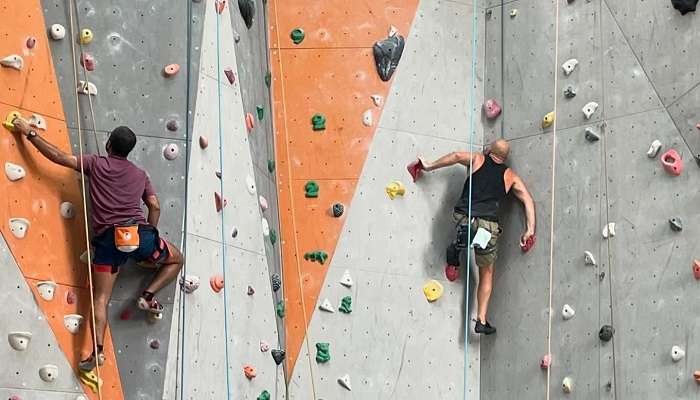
(456,157)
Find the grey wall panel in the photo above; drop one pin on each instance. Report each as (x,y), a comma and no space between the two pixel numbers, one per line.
(686,115)
(493,61)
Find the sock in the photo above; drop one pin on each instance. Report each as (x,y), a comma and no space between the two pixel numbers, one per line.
(147,295)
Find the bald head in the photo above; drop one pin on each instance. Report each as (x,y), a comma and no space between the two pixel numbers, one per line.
(500,148)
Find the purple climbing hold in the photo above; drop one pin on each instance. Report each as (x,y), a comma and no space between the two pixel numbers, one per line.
(492,109)
(230,75)
(387,54)
(87,61)
(172,125)
(684,6)
(155,344)
(31,42)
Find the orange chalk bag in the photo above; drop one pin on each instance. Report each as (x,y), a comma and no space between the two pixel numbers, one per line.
(126,237)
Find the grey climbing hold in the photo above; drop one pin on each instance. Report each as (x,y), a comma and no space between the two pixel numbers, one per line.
(276,282)
(14,172)
(57,32)
(19,227)
(326,306)
(189,283)
(37,121)
(606,333)
(87,88)
(567,312)
(609,230)
(14,61)
(676,224)
(684,6)
(247,8)
(654,148)
(19,340)
(677,353)
(338,209)
(570,92)
(387,54)
(278,355)
(569,66)
(567,385)
(513,13)
(591,135)
(48,373)
(72,323)
(344,381)
(588,258)
(589,109)
(67,210)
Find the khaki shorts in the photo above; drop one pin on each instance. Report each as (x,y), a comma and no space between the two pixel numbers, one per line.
(483,257)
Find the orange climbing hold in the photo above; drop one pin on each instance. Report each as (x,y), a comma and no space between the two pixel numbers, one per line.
(672,162)
(171,70)
(217,283)
(249,371)
(249,122)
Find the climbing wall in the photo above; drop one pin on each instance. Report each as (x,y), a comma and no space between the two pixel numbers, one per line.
(633,61)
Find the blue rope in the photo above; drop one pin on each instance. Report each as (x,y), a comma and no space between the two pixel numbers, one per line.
(469,215)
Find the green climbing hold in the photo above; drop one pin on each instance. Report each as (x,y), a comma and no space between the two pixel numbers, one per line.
(318,122)
(323,352)
(273,236)
(261,112)
(346,305)
(265,395)
(311,189)
(280,308)
(319,256)
(268,79)
(271,166)
(297,35)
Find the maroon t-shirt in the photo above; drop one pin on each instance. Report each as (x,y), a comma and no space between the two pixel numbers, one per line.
(117,187)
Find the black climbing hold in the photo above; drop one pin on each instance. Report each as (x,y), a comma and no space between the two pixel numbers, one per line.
(260,111)
(297,35)
(676,224)
(276,282)
(606,333)
(268,79)
(684,6)
(278,356)
(270,166)
(591,136)
(697,159)
(338,210)
(318,122)
(387,54)
(570,92)
(247,8)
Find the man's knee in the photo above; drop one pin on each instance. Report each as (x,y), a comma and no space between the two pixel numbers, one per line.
(175,256)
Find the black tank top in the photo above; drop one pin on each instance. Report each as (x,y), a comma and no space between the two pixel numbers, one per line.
(488,190)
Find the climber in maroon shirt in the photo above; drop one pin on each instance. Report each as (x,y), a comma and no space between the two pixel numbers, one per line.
(120,229)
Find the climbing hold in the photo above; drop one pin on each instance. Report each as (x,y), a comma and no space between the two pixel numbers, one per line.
(72,322)
(37,121)
(219,202)
(234,232)
(87,61)
(71,297)
(260,110)
(57,32)
(654,149)
(264,346)
(432,290)
(249,122)
(14,172)
(85,36)
(277,355)
(250,291)
(89,379)
(338,209)
(125,314)
(672,162)
(569,66)
(311,189)
(171,151)
(326,306)
(19,227)
(606,333)
(270,166)
(87,88)
(263,203)
(344,381)
(696,269)
(273,236)
(247,8)
(268,79)
(345,305)
(588,258)
(696,376)
(548,120)
(276,282)
(377,99)
(203,142)
(609,230)
(279,308)
(19,340)
(567,312)
(570,92)
(48,373)
(31,42)
(7,123)
(250,184)
(387,54)
(67,210)
(189,283)
(392,31)
(319,256)
(346,279)
(12,61)
(172,125)
(249,371)
(265,227)
(367,118)
(684,6)
(155,344)
(297,35)
(237,36)
(567,385)
(264,395)
(590,135)
(676,224)
(589,109)
(171,70)
(492,109)
(217,283)
(318,122)
(677,353)
(323,354)
(394,189)
(546,361)
(219,6)
(46,289)
(513,13)
(230,75)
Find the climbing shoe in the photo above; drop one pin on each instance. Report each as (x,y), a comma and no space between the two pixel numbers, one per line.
(485,329)
(151,306)
(452,272)
(89,363)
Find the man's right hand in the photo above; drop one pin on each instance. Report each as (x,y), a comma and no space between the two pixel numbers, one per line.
(21,126)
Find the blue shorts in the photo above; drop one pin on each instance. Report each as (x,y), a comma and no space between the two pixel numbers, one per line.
(107,258)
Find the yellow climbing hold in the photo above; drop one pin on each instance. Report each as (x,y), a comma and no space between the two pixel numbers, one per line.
(548,120)
(394,189)
(433,290)
(7,123)
(85,36)
(89,379)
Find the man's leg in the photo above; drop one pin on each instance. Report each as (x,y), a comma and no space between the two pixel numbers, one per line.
(103,282)
(168,270)
(483,292)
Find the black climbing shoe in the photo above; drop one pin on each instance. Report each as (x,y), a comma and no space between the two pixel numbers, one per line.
(486,328)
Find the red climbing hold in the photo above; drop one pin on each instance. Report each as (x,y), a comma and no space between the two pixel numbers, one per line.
(696,375)
(492,109)
(217,283)
(452,272)
(171,70)
(125,315)
(249,371)
(219,204)
(87,61)
(415,169)
(229,75)
(71,298)
(546,361)
(529,243)
(249,122)
(220,5)
(203,142)
(31,42)
(672,162)
(696,269)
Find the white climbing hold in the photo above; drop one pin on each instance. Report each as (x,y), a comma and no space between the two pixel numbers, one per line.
(609,230)
(58,32)
(171,151)
(344,381)
(569,66)
(589,109)
(84,257)
(46,289)
(367,118)
(567,312)
(654,148)
(588,258)
(87,88)
(189,283)
(81,397)
(326,306)
(19,340)
(513,13)
(393,30)
(14,172)
(72,322)
(346,280)
(264,346)
(263,203)
(567,385)
(677,353)
(19,227)
(37,121)
(67,210)
(265,227)
(250,183)
(48,373)
(377,100)
(12,61)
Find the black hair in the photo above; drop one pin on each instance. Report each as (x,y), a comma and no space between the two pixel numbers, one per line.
(121,141)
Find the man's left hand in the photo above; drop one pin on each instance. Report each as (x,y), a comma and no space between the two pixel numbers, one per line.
(527,241)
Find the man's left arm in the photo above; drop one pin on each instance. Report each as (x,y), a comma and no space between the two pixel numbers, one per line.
(47,149)
(520,191)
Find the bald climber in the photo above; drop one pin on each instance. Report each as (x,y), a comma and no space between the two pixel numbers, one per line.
(491,180)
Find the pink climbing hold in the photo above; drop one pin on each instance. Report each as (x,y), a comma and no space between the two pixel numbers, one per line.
(672,162)
(15,397)
(263,203)
(452,272)
(546,361)
(492,109)
(155,344)
(219,203)
(87,61)
(220,5)
(217,283)
(229,75)
(203,142)
(529,244)
(249,122)
(71,298)
(31,42)
(696,269)
(171,70)
(415,169)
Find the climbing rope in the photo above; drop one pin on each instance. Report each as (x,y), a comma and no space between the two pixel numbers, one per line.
(71,6)
(291,199)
